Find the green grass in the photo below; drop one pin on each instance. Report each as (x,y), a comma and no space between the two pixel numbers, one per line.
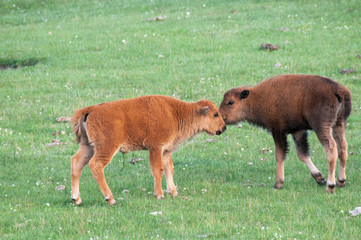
(89,52)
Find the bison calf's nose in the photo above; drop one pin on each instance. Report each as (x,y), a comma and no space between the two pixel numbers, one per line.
(219,132)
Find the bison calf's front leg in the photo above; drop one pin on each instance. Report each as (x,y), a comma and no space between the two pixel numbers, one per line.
(280,153)
(169,170)
(156,163)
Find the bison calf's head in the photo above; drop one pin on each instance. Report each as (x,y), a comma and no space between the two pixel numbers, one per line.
(212,121)
(234,106)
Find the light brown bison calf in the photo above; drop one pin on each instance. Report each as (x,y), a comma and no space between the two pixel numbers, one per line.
(155,123)
(293,104)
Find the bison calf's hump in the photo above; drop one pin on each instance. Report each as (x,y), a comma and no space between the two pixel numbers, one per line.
(294,104)
(155,123)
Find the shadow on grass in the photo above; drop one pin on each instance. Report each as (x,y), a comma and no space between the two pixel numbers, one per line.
(18,63)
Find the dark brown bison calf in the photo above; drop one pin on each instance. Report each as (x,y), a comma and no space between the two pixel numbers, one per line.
(155,123)
(293,104)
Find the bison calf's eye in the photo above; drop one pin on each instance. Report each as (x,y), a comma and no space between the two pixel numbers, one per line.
(216,114)
(230,102)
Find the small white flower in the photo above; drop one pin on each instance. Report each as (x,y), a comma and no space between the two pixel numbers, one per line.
(156,213)
(278,65)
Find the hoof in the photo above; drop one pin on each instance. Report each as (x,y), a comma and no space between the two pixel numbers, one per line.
(330,188)
(159,196)
(278,185)
(77,201)
(174,193)
(341,182)
(112,202)
(319,178)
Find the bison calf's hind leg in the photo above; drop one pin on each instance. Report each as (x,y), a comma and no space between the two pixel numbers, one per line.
(330,147)
(78,161)
(339,135)
(169,170)
(156,163)
(97,164)
(301,141)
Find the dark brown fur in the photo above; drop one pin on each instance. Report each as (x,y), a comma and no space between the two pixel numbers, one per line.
(293,104)
(155,123)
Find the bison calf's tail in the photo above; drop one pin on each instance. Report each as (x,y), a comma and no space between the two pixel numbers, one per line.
(348,105)
(77,120)
(344,96)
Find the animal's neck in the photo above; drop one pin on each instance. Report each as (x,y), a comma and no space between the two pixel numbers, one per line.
(188,122)
(255,117)
(252,115)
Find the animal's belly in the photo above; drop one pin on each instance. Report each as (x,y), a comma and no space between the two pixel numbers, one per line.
(297,125)
(125,148)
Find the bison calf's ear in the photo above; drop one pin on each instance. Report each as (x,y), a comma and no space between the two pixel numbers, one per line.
(204,110)
(244,94)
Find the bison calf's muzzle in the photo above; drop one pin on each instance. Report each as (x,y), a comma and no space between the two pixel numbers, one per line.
(219,132)
(293,104)
(158,124)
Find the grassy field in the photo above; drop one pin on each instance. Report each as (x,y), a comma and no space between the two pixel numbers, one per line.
(86,52)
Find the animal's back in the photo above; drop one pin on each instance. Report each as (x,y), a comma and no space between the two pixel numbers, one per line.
(290,86)
(132,119)
(292,102)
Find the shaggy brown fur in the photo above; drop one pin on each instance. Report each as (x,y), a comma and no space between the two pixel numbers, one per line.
(293,104)
(155,123)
